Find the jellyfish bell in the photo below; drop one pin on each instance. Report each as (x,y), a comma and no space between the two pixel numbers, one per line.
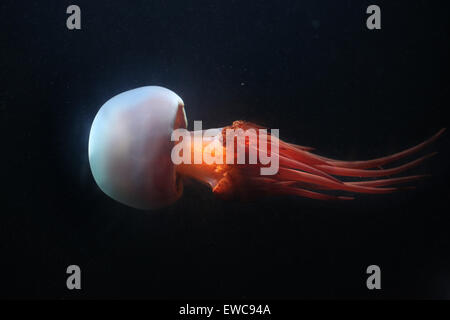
(129,147)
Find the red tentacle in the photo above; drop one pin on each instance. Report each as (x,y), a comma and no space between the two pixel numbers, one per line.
(301,171)
(362,173)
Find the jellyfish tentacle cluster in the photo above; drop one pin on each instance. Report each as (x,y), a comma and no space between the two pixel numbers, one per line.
(306,174)
(130,148)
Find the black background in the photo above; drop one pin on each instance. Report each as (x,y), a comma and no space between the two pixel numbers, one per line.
(310,68)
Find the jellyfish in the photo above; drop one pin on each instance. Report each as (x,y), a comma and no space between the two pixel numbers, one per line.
(131,149)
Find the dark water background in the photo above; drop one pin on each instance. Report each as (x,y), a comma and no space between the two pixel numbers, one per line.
(310,68)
